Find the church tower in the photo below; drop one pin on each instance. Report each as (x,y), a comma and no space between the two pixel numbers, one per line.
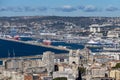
(74,57)
(48,60)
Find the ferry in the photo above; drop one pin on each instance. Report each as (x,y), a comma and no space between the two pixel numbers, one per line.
(103,45)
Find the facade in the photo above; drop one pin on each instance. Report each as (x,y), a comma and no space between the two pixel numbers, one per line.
(70,71)
(112,34)
(115,74)
(96,28)
(98,72)
(23,64)
(68,75)
(13,75)
(74,57)
(79,56)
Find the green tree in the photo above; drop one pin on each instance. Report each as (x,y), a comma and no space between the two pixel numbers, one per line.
(60,78)
(82,70)
(116,66)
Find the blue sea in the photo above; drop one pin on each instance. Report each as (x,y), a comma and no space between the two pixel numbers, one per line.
(12,48)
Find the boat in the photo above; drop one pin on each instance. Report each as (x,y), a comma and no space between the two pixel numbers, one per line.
(103,45)
(46,42)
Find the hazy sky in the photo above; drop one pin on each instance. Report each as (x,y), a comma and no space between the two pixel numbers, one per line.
(60,8)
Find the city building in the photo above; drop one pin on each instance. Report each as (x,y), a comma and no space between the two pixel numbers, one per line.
(96,28)
(48,61)
(98,71)
(113,34)
(115,73)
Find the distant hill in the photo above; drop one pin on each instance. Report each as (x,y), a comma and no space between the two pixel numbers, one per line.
(59,21)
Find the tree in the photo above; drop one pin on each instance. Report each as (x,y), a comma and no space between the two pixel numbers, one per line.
(82,70)
(116,66)
(60,78)
(79,75)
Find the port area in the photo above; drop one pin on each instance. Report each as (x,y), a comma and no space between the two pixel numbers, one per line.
(36,44)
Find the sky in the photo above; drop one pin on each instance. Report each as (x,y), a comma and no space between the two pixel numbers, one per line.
(74,8)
